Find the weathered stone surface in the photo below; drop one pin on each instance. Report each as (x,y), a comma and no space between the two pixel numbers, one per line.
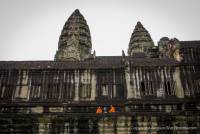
(149,91)
(37,109)
(75,41)
(169,48)
(140,40)
(56,109)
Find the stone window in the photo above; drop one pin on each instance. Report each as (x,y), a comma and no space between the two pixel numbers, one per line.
(53,91)
(68,91)
(104,90)
(3,82)
(7,84)
(35,91)
(2,90)
(22,89)
(196,84)
(36,85)
(150,89)
(53,86)
(169,87)
(146,88)
(142,88)
(7,91)
(110,84)
(85,90)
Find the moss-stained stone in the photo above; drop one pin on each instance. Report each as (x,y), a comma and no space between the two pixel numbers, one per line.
(106,125)
(168,108)
(44,124)
(55,109)
(140,40)
(75,41)
(44,119)
(154,86)
(37,109)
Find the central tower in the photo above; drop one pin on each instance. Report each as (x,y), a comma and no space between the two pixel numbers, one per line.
(75,40)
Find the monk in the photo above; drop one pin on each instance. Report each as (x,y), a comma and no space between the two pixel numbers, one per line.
(112,109)
(99,110)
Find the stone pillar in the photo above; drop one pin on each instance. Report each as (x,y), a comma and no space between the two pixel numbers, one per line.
(44,125)
(106,126)
(76,98)
(161,92)
(75,126)
(123,125)
(142,124)
(181,123)
(114,85)
(94,82)
(154,125)
(130,93)
(139,122)
(134,83)
(66,128)
(138,94)
(178,86)
(90,125)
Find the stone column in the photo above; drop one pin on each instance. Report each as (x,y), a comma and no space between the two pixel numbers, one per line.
(75,125)
(90,125)
(134,83)
(44,125)
(138,94)
(154,125)
(106,126)
(76,98)
(161,92)
(178,86)
(94,82)
(114,92)
(123,125)
(180,122)
(130,93)
(66,128)
(142,124)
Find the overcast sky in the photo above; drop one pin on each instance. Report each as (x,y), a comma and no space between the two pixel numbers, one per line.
(30,29)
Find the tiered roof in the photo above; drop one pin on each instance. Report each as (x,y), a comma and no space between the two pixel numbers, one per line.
(140,40)
(76,25)
(76,32)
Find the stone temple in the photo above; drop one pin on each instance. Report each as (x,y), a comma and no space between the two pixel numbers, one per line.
(153,89)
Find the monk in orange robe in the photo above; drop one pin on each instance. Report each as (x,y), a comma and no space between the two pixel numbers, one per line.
(99,110)
(112,109)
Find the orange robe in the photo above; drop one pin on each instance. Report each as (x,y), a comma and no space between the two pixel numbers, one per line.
(99,110)
(112,109)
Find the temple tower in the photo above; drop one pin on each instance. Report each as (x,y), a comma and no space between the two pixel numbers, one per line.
(169,48)
(140,40)
(75,40)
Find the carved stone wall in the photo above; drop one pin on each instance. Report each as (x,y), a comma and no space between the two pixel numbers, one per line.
(75,41)
(169,48)
(89,84)
(140,40)
(155,89)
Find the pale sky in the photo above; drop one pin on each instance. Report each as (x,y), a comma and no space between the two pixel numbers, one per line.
(30,29)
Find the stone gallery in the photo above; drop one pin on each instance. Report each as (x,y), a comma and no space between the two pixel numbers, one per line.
(153,89)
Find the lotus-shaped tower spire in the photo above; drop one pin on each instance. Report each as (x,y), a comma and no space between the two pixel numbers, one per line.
(140,40)
(75,40)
